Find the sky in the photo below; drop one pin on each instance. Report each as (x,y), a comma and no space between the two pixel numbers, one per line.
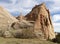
(15,7)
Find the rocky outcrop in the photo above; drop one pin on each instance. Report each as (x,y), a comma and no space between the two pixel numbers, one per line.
(37,23)
(24,29)
(6,19)
(43,24)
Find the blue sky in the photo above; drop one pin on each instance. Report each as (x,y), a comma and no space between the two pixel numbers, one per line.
(25,6)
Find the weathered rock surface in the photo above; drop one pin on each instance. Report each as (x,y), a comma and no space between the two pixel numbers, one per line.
(23,24)
(24,29)
(43,24)
(7,34)
(6,19)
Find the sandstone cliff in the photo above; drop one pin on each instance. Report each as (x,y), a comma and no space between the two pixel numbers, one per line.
(43,24)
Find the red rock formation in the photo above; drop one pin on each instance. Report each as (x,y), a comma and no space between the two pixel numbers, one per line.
(43,24)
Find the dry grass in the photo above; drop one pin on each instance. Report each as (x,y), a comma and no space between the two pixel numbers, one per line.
(23,41)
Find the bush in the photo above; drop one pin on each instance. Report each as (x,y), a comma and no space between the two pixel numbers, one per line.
(17,33)
(57,39)
(1,33)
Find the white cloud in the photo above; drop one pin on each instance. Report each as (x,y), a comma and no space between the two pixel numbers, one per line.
(29,4)
(56,3)
(56,27)
(55,7)
(13,1)
(20,6)
(56,23)
(26,3)
(56,17)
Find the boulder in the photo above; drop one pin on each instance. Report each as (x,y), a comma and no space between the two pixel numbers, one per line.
(7,34)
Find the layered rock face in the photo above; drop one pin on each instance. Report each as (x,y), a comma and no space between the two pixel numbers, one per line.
(43,24)
(6,19)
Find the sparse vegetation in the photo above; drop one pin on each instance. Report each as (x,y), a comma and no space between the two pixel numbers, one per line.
(57,39)
(17,33)
(23,41)
(23,33)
